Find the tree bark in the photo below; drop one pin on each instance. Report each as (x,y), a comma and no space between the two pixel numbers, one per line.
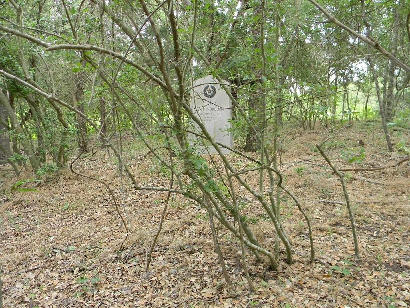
(5,151)
(28,149)
(40,150)
(103,120)
(381,108)
(82,137)
(389,95)
(256,104)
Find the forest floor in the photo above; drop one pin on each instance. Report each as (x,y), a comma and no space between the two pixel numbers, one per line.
(62,242)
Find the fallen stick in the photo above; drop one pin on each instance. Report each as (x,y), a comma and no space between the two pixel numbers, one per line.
(359,201)
(375,169)
(332,202)
(367,180)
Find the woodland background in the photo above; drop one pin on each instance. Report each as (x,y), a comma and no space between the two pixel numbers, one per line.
(105,202)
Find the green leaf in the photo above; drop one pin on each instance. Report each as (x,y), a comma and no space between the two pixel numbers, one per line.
(82,279)
(95,280)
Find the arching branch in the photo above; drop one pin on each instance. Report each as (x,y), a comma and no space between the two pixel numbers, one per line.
(368,40)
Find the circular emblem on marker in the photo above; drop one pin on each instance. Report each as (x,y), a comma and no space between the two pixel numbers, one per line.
(209,91)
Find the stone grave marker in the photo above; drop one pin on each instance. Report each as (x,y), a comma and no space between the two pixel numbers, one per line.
(213,106)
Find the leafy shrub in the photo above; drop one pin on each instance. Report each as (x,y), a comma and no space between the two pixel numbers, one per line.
(19,185)
(47,170)
(17,158)
(353,156)
(402,119)
(401,146)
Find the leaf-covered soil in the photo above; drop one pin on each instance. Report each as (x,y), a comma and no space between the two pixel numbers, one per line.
(63,244)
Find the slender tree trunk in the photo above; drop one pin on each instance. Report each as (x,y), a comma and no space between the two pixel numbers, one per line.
(263,92)
(389,97)
(381,108)
(28,148)
(366,106)
(334,105)
(103,119)
(39,124)
(345,99)
(82,135)
(256,102)
(5,151)
(60,157)
(218,251)
(278,80)
(235,83)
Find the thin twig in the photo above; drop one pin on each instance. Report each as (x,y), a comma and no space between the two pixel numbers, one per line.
(346,195)
(243,252)
(377,168)
(110,191)
(161,222)
(360,178)
(219,251)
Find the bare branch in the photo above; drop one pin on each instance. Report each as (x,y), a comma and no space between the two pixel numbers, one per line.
(69,20)
(346,195)
(35,29)
(24,35)
(46,95)
(111,53)
(368,40)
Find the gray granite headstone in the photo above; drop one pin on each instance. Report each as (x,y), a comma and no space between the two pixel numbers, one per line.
(213,106)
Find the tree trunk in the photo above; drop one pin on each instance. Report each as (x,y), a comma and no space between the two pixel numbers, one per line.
(82,136)
(253,137)
(256,103)
(39,124)
(28,149)
(334,104)
(103,120)
(345,98)
(366,106)
(5,151)
(388,95)
(381,107)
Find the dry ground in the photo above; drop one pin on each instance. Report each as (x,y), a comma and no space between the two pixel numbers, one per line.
(60,245)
